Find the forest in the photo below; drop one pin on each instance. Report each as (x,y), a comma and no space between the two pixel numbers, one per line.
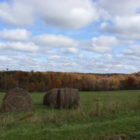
(43,81)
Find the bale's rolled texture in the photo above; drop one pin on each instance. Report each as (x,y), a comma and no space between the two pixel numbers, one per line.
(51,96)
(17,100)
(62,98)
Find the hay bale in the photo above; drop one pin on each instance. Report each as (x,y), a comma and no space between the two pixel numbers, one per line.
(62,98)
(17,100)
(51,96)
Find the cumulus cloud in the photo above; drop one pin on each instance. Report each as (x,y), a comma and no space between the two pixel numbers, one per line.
(21,62)
(69,51)
(51,49)
(120,7)
(106,63)
(19,46)
(103,44)
(21,40)
(17,14)
(74,14)
(126,27)
(55,40)
(4,58)
(133,50)
(65,14)
(15,34)
(122,16)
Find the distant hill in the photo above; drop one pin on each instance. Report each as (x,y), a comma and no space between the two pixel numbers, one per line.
(43,81)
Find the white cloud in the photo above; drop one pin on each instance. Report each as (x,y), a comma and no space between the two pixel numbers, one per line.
(19,46)
(21,62)
(15,34)
(17,14)
(117,51)
(126,27)
(55,40)
(123,17)
(72,14)
(73,50)
(133,50)
(120,7)
(103,44)
(69,51)
(69,14)
(4,58)
(106,63)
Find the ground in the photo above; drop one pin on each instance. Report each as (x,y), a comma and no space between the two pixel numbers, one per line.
(101,116)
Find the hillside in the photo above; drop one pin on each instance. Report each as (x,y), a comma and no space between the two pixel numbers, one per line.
(42,81)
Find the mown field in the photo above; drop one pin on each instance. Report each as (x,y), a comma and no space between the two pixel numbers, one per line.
(101,116)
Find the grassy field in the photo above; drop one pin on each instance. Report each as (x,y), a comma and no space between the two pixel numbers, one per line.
(101,116)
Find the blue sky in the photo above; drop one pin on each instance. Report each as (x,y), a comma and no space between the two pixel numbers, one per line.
(85,36)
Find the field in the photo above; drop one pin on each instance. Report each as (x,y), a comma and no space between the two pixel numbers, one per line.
(101,116)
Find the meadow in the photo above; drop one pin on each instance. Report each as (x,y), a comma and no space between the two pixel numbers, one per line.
(101,116)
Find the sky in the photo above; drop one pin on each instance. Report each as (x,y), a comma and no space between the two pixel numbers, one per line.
(86,36)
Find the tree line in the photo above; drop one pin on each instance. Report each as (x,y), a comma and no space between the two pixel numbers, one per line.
(43,81)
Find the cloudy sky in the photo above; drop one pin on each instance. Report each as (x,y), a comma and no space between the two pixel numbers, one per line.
(90,36)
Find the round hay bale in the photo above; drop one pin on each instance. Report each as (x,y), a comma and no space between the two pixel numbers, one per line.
(62,98)
(50,98)
(17,100)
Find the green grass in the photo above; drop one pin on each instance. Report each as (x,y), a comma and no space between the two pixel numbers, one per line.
(101,116)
